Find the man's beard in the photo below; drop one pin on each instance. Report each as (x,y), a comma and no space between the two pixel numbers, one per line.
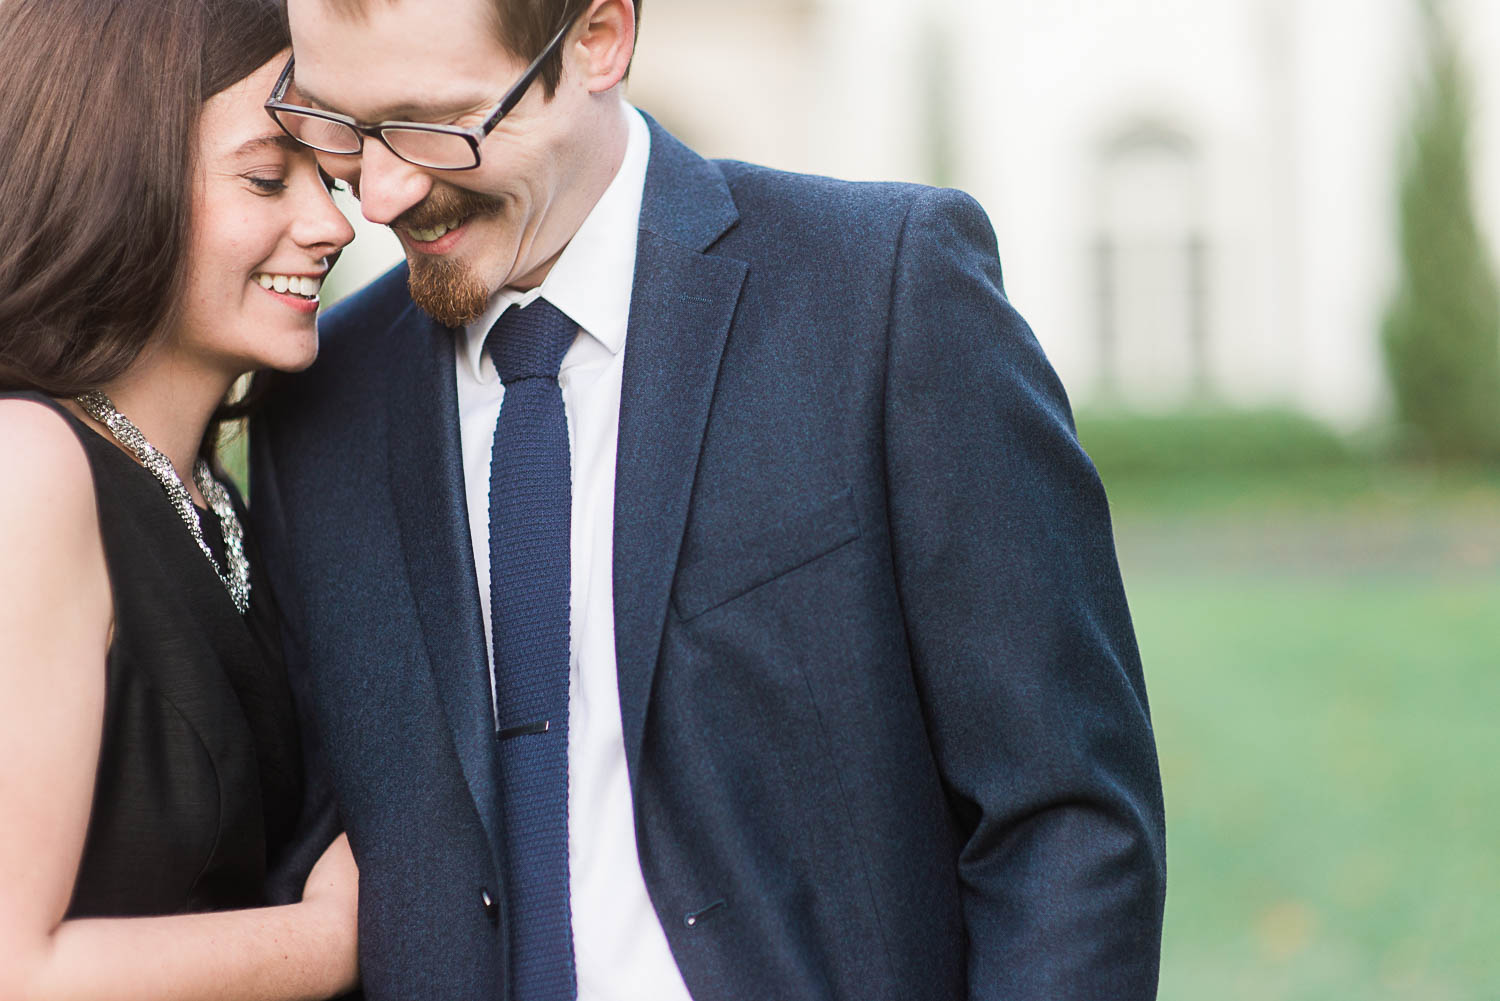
(449,292)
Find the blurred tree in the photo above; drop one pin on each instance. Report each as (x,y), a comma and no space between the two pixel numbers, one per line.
(1442,329)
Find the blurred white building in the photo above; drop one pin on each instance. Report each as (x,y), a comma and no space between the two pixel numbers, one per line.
(1194,199)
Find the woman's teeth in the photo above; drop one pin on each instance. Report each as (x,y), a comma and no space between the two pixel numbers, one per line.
(433,233)
(308,288)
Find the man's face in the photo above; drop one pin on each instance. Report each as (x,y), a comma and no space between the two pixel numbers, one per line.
(466,234)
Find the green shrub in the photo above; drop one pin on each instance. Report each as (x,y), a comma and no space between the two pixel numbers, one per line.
(1442,330)
(1261,442)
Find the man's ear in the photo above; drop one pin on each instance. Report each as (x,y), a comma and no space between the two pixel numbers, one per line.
(606,44)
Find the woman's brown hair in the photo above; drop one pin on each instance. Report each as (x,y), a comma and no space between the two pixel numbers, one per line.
(97,144)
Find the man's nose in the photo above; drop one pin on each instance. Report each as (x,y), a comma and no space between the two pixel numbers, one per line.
(387,184)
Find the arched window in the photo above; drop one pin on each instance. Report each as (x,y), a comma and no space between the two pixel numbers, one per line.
(1151,264)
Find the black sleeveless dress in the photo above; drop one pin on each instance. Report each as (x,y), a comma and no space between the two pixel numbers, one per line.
(200,776)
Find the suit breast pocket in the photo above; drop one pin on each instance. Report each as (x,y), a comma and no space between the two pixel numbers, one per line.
(728,566)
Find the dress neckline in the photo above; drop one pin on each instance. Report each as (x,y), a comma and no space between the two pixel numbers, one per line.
(115,446)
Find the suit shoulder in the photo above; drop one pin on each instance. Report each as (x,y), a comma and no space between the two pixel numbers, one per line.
(378,303)
(874,213)
(766,187)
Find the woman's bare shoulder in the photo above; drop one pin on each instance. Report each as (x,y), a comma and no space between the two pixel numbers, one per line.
(47,509)
(56,607)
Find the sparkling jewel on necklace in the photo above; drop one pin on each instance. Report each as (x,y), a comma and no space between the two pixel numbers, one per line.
(237,580)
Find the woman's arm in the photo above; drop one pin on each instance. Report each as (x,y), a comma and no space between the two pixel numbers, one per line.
(55,617)
(304,950)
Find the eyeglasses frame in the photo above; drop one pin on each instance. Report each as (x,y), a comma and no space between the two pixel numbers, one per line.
(473,135)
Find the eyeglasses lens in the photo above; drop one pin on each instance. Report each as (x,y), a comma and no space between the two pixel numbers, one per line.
(320,133)
(431,149)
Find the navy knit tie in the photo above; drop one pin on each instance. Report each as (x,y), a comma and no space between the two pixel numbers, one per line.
(530,583)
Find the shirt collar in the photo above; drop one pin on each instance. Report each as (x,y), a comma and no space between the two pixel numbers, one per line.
(592,280)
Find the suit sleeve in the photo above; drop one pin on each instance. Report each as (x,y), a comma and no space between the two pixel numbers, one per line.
(319,822)
(1019,633)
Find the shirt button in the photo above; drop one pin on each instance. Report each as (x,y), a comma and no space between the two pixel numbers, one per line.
(491,907)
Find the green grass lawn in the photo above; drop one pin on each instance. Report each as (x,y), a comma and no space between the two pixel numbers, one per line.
(1324,684)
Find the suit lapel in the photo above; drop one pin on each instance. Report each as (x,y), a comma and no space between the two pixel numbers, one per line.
(427,488)
(681,308)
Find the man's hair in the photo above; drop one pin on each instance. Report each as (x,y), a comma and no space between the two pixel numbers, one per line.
(99,136)
(524,27)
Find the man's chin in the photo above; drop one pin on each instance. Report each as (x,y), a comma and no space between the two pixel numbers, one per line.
(449,292)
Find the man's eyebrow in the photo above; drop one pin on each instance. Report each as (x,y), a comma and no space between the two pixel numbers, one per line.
(304,96)
(405,113)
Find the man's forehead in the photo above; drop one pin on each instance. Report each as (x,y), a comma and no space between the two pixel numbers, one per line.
(450,16)
(432,56)
(458,32)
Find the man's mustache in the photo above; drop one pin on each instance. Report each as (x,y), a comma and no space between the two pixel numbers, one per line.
(444,205)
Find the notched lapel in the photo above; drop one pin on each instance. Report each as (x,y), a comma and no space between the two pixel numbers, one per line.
(682,307)
(427,489)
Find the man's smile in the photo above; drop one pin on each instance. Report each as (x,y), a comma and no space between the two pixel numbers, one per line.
(439,239)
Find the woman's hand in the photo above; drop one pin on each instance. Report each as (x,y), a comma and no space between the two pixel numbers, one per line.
(332,896)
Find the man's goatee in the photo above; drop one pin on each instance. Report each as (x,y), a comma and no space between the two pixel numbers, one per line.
(446,291)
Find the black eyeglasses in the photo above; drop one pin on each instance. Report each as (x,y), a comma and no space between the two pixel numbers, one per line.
(436,147)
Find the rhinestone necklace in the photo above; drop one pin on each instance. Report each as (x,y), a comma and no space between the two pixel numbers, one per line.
(237,581)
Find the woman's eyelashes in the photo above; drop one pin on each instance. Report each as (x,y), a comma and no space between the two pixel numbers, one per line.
(266,185)
(275,184)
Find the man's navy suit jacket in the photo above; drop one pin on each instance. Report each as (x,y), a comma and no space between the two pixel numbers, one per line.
(884,717)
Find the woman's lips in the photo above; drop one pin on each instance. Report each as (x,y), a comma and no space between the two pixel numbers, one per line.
(299,303)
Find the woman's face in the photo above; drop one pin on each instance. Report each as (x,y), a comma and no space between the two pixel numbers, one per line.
(263,231)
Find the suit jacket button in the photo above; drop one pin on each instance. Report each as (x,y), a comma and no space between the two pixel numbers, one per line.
(490,905)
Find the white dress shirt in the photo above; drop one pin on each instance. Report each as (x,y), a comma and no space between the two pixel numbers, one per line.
(620,950)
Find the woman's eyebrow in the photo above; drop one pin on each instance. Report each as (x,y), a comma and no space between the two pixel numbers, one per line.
(262,142)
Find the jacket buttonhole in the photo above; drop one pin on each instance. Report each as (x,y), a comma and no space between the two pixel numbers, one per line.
(692,918)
